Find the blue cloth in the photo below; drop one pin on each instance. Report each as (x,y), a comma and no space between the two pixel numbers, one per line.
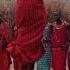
(45,62)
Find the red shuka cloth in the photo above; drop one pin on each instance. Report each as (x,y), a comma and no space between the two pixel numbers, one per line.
(59,35)
(30,21)
(4,55)
(59,46)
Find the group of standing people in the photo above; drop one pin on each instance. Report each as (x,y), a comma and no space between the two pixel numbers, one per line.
(27,47)
(56,44)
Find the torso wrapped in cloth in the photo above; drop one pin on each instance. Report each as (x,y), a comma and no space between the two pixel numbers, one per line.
(30,22)
(59,35)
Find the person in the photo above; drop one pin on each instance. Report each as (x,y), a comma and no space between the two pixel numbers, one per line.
(59,43)
(4,34)
(27,48)
(45,62)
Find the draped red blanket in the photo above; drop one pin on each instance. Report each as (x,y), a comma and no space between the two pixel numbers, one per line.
(59,35)
(4,55)
(30,21)
(59,46)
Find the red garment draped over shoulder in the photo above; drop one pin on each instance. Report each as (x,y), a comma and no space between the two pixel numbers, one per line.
(30,21)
